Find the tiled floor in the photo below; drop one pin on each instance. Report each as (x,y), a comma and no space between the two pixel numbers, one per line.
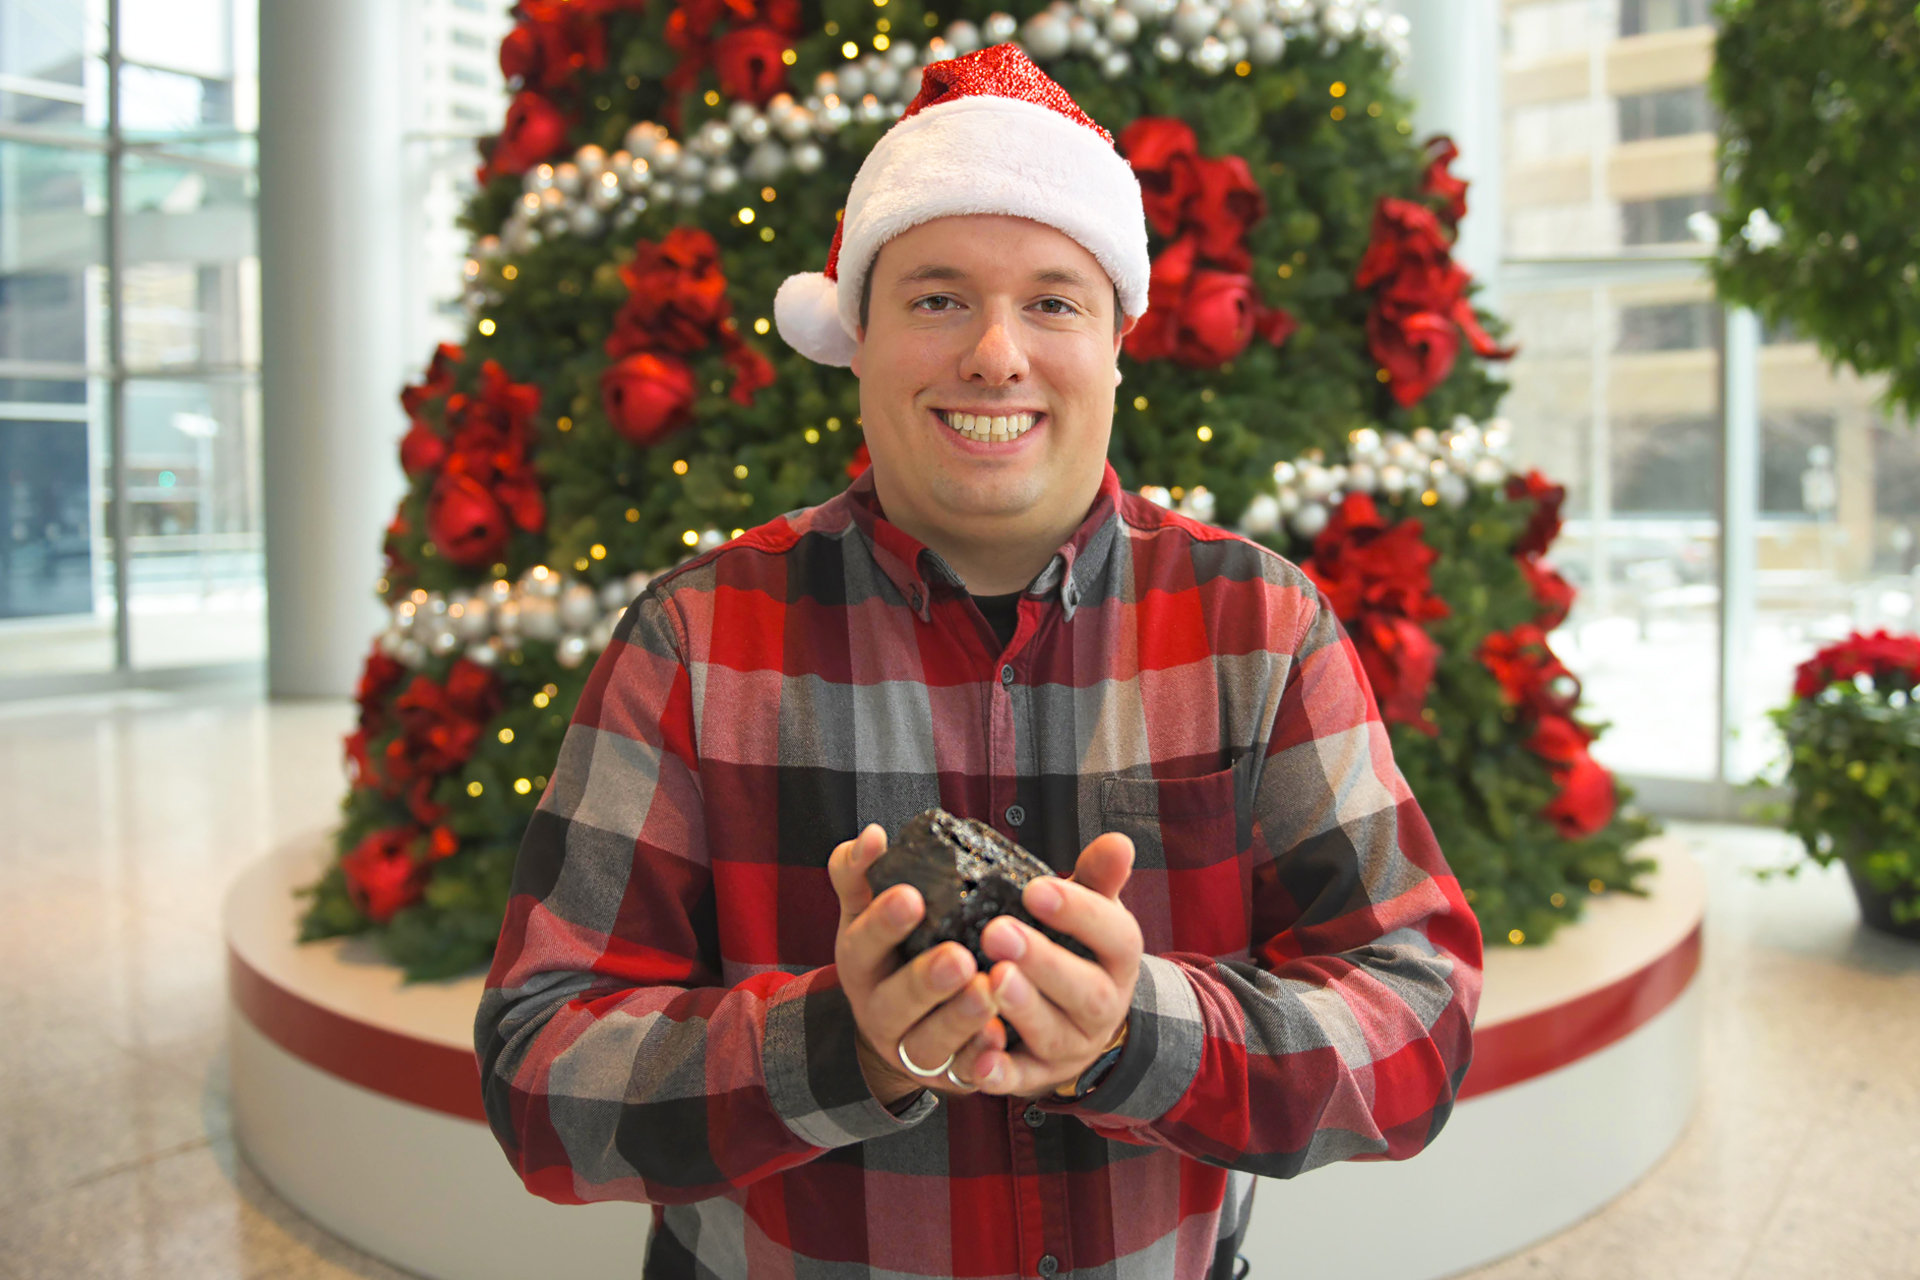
(126,816)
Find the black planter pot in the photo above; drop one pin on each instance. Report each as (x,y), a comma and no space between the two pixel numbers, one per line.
(1876,908)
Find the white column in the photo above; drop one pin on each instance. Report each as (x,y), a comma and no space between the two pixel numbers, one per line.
(332,219)
(1454,79)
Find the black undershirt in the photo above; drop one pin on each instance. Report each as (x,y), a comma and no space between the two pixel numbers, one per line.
(1002,613)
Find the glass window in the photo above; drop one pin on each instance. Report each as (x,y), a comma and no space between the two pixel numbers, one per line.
(191,283)
(1642,17)
(1668,113)
(44,65)
(1663,220)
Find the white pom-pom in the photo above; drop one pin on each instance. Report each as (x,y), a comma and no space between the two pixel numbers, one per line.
(807,311)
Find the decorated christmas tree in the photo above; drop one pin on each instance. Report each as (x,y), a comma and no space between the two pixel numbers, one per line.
(1311,371)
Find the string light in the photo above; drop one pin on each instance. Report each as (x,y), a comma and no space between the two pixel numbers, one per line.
(633,515)
(931,19)
(740,471)
(1429,498)
(811,436)
(541,699)
(833,424)
(509,272)
(1558,899)
(486,326)
(712,97)
(1516,937)
(522,785)
(1243,68)
(882,24)
(745,215)
(506,735)
(1382,376)
(738,532)
(564,423)
(691,538)
(768,194)
(766,235)
(1140,403)
(580,565)
(880,42)
(1206,395)
(832,28)
(1338,113)
(474,789)
(679,466)
(789,57)
(1205,433)
(761,325)
(1596,886)
(1338,89)
(850,50)
(1374,109)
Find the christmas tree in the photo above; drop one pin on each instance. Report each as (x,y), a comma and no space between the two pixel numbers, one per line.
(1310,371)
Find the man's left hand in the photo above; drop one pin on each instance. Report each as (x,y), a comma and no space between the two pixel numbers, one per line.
(1068,1010)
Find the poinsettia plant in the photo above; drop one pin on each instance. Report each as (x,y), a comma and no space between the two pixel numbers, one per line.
(1852,731)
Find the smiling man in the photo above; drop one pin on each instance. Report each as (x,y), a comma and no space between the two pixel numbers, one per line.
(696,1001)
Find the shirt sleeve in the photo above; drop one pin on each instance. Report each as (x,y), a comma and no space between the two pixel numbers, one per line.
(1347,1033)
(613,1062)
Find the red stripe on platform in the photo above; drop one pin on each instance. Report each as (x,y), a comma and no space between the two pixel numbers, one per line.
(446,1079)
(436,1076)
(1510,1052)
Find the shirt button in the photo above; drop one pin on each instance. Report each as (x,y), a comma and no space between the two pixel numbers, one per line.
(914,600)
(1006,674)
(1048,1264)
(1016,816)
(1034,1117)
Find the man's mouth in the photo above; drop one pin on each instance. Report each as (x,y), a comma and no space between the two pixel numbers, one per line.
(989,428)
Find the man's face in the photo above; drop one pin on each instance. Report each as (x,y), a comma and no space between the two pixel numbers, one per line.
(986,378)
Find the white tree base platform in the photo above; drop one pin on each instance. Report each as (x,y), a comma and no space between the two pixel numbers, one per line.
(357,1097)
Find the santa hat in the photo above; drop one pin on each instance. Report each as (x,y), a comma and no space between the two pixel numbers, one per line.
(988,133)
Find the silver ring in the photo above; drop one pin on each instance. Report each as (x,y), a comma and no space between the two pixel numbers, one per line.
(956,1081)
(925,1073)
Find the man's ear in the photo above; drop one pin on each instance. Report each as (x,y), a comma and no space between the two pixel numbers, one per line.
(1120,334)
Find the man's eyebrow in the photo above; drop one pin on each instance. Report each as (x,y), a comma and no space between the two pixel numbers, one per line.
(1046,275)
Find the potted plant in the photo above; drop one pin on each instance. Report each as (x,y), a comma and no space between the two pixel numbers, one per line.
(1852,732)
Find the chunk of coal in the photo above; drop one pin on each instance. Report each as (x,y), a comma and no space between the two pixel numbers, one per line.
(968,873)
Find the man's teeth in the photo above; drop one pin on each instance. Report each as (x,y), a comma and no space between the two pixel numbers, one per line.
(987,427)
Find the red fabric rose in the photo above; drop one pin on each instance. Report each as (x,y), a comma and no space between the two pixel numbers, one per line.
(1890,660)
(748,63)
(676,295)
(861,461)
(492,443)
(465,523)
(647,396)
(1553,593)
(382,876)
(1439,179)
(1225,204)
(554,42)
(1377,580)
(1531,677)
(1201,317)
(421,450)
(441,844)
(1544,525)
(1420,307)
(1164,154)
(437,383)
(534,130)
(752,371)
(1586,801)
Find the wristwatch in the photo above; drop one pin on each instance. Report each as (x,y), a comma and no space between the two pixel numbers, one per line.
(1096,1071)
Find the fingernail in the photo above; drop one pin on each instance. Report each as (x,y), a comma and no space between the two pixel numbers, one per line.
(946,972)
(1013,992)
(899,908)
(1043,898)
(1008,942)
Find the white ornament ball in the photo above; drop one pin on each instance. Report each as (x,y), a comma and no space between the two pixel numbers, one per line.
(585,220)
(1167,49)
(1237,48)
(722,178)
(1262,515)
(1100,48)
(1394,479)
(714,140)
(1123,27)
(903,55)
(833,117)
(1451,488)
(566,176)
(1247,14)
(1362,478)
(1268,45)
(412,653)
(666,157)
(1309,520)
(884,79)
(798,125)
(487,248)
(605,192)
(643,138)
(1199,503)
(1158,494)
(767,161)
(807,157)
(615,595)
(1488,471)
(1141,8)
(1116,65)
(496,592)
(1289,500)
(690,170)
(579,606)
(1341,24)
(540,581)
(390,641)
(637,582)
(740,115)
(403,615)
(853,81)
(600,635)
(1082,31)
(1046,37)
(539,618)
(1426,440)
(1211,56)
(1293,12)
(689,193)
(999,28)
(506,618)
(537,179)
(591,161)
(661,191)
(483,655)
(1193,21)
(870,111)
(571,651)
(444,644)
(476,618)
(964,37)
(711,538)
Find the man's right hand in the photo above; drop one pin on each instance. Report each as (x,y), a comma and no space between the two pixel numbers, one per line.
(937,1005)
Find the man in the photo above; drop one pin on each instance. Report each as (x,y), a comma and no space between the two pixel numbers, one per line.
(695,1000)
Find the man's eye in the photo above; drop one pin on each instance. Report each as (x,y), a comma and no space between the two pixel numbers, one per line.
(936,302)
(1057,306)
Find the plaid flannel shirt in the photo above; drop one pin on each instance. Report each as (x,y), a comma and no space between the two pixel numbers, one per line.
(663,1022)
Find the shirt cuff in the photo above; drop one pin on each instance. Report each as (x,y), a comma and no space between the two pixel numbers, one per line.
(1161,1057)
(810,1057)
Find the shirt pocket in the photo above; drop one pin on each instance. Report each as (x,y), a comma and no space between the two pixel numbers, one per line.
(1191,836)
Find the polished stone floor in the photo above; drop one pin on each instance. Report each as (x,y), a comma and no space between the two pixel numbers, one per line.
(126,816)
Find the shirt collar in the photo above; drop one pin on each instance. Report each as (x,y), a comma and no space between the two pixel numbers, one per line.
(914,568)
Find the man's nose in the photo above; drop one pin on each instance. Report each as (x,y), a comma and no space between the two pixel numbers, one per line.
(996,356)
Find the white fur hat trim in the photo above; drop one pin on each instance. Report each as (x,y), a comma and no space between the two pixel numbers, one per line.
(972,155)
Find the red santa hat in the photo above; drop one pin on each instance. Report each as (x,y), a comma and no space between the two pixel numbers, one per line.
(988,133)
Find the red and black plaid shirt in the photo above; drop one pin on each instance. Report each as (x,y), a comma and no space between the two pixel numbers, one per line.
(663,1020)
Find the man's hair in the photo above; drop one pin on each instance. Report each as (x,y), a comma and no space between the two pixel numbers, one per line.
(866,298)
